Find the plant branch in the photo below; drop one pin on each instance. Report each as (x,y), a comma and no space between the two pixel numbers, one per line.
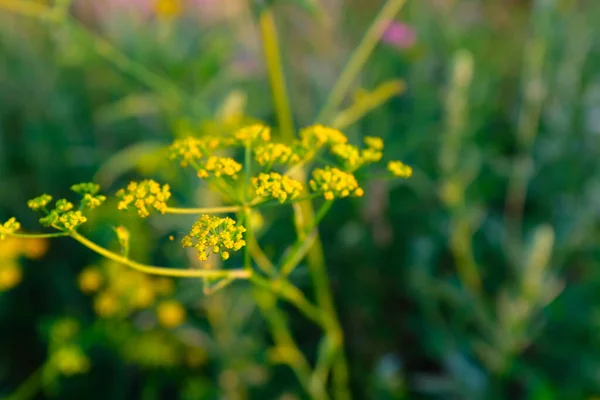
(358,59)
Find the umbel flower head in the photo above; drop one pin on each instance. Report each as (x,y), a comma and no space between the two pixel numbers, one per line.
(277,186)
(399,169)
(9,227)
(276,153)
(257,133)
(212,235)
(144,196)
(190,150)
(318,135)
(335,183)
(220,167)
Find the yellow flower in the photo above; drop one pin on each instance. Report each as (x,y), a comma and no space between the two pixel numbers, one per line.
(9,227)
(106,304)
(70,360)
(170,314)
(90,280)
(220,167)
(190,150)
(70,220)
(212,233)
(11,248)
(64,330)
(374,142)
(39,202)
(144,195)
(399,169)
(143,296)
(335,183)
(257,133)
(318,135)
(275,153)
(167,8)
(277,186)
(35,248)
(10,274)
(348,154)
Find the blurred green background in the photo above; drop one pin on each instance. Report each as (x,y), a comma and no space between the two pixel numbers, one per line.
(478,278)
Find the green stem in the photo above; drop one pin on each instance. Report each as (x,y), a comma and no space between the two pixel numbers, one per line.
(304,242)
(206,210)
(246,209)
(270,41)
(39,235)
(149,269)
(293,295)
(358,59)
(29,388)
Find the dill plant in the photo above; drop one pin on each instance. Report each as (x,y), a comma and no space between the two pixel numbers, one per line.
(249,170)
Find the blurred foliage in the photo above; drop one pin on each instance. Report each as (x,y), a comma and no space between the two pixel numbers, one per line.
(476,279)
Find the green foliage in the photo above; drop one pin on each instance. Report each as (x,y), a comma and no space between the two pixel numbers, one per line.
(477,278)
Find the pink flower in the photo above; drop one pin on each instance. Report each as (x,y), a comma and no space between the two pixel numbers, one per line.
(400,35)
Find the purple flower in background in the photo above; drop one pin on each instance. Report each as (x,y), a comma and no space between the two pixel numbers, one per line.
(400,35)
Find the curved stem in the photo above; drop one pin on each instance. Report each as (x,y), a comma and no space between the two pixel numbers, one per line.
(358,59)
(39,235)
(149,269)
(206,210)
(30,387)
(292,294)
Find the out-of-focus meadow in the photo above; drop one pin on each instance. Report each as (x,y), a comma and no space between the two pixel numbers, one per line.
(477,278)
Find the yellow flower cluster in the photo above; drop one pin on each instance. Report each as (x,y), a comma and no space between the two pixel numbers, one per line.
(399,169)
(220,167)
(40,202)
(353,158)
(318,135)
(277,186)
(212,235)
(335,183)
(170,313)
(167,8)
(89,190)
(70,220)
(256,133)
(9,227)
(190,150)
(275,153)
(143,195)
(70,360)
(119,291)
(11,250)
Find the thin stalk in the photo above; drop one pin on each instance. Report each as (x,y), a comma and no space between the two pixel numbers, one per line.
(246,209)
(304,242)
(205,210)
(149,269)
(29,388)
(39,235)
(270,41)
(293,356)
(358,59)
(291,294)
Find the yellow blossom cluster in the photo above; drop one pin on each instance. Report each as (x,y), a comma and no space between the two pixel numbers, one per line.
(212,235)
(119,292)
(11,250)
(318,135)
(276,153)
(353,158)
(190,150)
(334,183)
(70,360)
(399,169)
(170,313)
(257,133)
(9,227)
(276,186)
(40,202)
(220,167)
(167,8)
(89,190)
(144,195)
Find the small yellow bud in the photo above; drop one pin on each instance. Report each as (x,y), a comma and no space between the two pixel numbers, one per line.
(170,314)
